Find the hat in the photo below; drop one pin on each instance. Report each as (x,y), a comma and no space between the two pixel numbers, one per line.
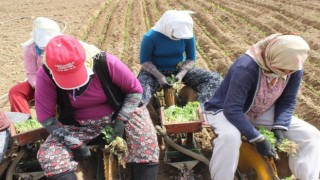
(65,57)
(42,31)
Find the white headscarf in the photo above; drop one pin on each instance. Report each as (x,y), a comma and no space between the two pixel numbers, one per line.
(175,24)
(42,31)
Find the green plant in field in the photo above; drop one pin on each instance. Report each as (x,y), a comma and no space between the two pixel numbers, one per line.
(127,26)
(147,21)
(101,37)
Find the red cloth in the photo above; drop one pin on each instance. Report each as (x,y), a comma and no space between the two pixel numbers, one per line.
(19,97)
(4,121)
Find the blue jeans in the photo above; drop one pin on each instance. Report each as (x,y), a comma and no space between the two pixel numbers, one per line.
(4,141)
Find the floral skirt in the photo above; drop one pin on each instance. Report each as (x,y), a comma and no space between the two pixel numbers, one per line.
(141,138)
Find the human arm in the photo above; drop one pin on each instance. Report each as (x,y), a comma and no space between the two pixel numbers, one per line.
(242,81)
(122,77)
(31,59)
(189,63)
(130,103)
(151,68)
(285,104)
(184,69)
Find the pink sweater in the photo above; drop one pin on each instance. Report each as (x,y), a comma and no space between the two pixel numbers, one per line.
(92,104)
(32,62)
(4,121)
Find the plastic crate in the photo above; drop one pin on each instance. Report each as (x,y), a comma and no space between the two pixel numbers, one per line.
(182,127)
(28,136)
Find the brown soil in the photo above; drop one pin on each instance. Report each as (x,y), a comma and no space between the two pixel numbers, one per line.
(224,30)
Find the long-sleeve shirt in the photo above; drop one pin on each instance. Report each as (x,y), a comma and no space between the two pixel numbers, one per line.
(4,121)
(93,103)
(237,93)
(164,52)
(32,62)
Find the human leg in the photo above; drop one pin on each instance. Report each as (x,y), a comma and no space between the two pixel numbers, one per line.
(203,81)
(19,96)
(56,158)
(149,84)
(225,153)
(69,175)
(145,171)
(4,141)
(306,163)
(142,145)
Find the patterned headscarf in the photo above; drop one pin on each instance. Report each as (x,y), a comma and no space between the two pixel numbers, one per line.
(279,51)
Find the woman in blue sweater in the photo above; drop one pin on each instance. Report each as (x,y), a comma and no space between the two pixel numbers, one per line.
(260,89)
(169,48)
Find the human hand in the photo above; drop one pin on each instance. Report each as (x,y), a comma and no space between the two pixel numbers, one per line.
(119,128)
(81,152)
(279,134)
(180,75)
(266,149)
(164,83)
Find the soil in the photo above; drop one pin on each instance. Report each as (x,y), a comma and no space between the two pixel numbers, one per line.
(223,29)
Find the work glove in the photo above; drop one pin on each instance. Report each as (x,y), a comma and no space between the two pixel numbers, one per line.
(119,128)
(164,83)
(152,69)
(81,152)
(265,148)
(279,134)
(180,75)
(184,67)
(55,128)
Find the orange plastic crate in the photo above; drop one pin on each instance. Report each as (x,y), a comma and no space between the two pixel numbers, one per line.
(28,136)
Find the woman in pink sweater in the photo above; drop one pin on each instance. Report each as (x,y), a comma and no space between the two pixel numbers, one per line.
(20,95)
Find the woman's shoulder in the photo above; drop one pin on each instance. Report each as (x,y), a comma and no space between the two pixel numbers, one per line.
(245,61)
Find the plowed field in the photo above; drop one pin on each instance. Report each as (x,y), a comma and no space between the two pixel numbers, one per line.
(224,29)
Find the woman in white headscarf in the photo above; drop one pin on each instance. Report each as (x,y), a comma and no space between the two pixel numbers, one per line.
(261,89)
(169,48)
(42,31)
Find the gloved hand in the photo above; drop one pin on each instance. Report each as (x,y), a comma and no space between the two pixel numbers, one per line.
(164,83)
(119,128)
(152,69)
(266,149)
(180,75)
(81,152)
(184,68)
(279,134)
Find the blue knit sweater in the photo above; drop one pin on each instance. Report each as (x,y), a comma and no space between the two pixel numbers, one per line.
(164,52)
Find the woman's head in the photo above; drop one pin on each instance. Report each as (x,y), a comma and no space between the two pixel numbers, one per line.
(69,61)
(280,54)
(175,24)
(43,30)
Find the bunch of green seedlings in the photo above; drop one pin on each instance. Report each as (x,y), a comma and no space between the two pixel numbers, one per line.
(286,145)
(27,125)
(186,113)
(118,145)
